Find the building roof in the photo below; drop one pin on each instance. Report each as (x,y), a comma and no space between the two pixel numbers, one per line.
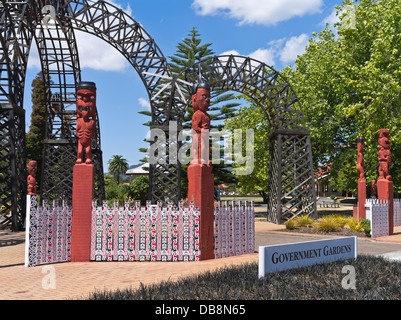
(139,171)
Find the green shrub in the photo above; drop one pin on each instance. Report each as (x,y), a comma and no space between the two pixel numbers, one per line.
(343,220)
(366,227)
(303,221)
(327,224)
(290,224)
(354,225)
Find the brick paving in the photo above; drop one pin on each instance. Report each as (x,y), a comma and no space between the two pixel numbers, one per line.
(77,280)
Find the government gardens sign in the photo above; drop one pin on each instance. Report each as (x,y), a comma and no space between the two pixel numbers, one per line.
(296,255)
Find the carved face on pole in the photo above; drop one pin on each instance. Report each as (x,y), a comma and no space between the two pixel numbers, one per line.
(86,102)
(202,99)
(32,167)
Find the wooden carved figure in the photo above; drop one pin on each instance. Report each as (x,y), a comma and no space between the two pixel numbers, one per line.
(360,163)
(201,124)
(384,154)
(86,125)
(32,168)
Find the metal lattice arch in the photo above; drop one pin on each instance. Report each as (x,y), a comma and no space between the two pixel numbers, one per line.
(52,24)
(291,186)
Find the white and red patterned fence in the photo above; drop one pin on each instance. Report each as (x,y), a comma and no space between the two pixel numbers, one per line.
(234,229)
(151,233)
(377,213)
(48,232)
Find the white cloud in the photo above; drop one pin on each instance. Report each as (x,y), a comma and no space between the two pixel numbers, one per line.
(294,47)
(331,19)
(286,50)
(95,53)
(264,12)
(264,55)
(144,103)
(230,52)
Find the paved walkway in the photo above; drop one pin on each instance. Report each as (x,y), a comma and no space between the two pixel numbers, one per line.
(77,280)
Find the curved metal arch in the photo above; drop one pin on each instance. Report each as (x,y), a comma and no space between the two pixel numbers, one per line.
(256,80)
(291,180)
(120,30)
(59,58)
(16,21)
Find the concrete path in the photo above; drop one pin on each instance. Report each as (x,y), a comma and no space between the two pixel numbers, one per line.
(77,280)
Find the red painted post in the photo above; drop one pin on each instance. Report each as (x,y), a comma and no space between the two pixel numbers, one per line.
(361,181)
(83,185)
(82,196)
(200,190)
(200,177)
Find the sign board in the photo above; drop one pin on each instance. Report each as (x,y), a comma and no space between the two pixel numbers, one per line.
(301,254)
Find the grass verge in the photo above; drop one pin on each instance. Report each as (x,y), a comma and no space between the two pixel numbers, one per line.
(376,279)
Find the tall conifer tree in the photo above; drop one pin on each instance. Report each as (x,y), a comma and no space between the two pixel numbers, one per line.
(37,129)
(222,105)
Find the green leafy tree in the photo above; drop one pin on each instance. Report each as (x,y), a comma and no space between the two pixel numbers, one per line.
(139,188)
(118,166)
(254,118)
(349,86)
(37,129)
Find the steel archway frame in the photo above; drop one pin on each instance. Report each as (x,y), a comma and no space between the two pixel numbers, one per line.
(59,56)
(291,186)
(59,59)
(16,25)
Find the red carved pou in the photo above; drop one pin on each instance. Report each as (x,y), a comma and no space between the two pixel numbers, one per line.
(201,121)
(360,163)
(86,125)
(384,154)
(32,168)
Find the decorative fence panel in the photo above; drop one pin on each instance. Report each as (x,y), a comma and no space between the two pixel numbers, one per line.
(397,212)
(377,213)
(234,229)
(48,232)
(151,233)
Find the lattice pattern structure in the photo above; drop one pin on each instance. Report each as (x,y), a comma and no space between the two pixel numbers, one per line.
(291,181)
(23,20)
(48,232)
(397,212)
(234,229)
(377,213)
(113,25)
(151,233)
(292,187)
(17,23)
(60,63)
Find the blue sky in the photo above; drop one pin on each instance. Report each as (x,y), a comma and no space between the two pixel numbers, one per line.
(272,31)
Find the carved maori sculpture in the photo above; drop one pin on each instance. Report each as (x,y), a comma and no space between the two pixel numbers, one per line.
(360,163)
(201,124)
(384,154)
(32,168)
(86,125)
